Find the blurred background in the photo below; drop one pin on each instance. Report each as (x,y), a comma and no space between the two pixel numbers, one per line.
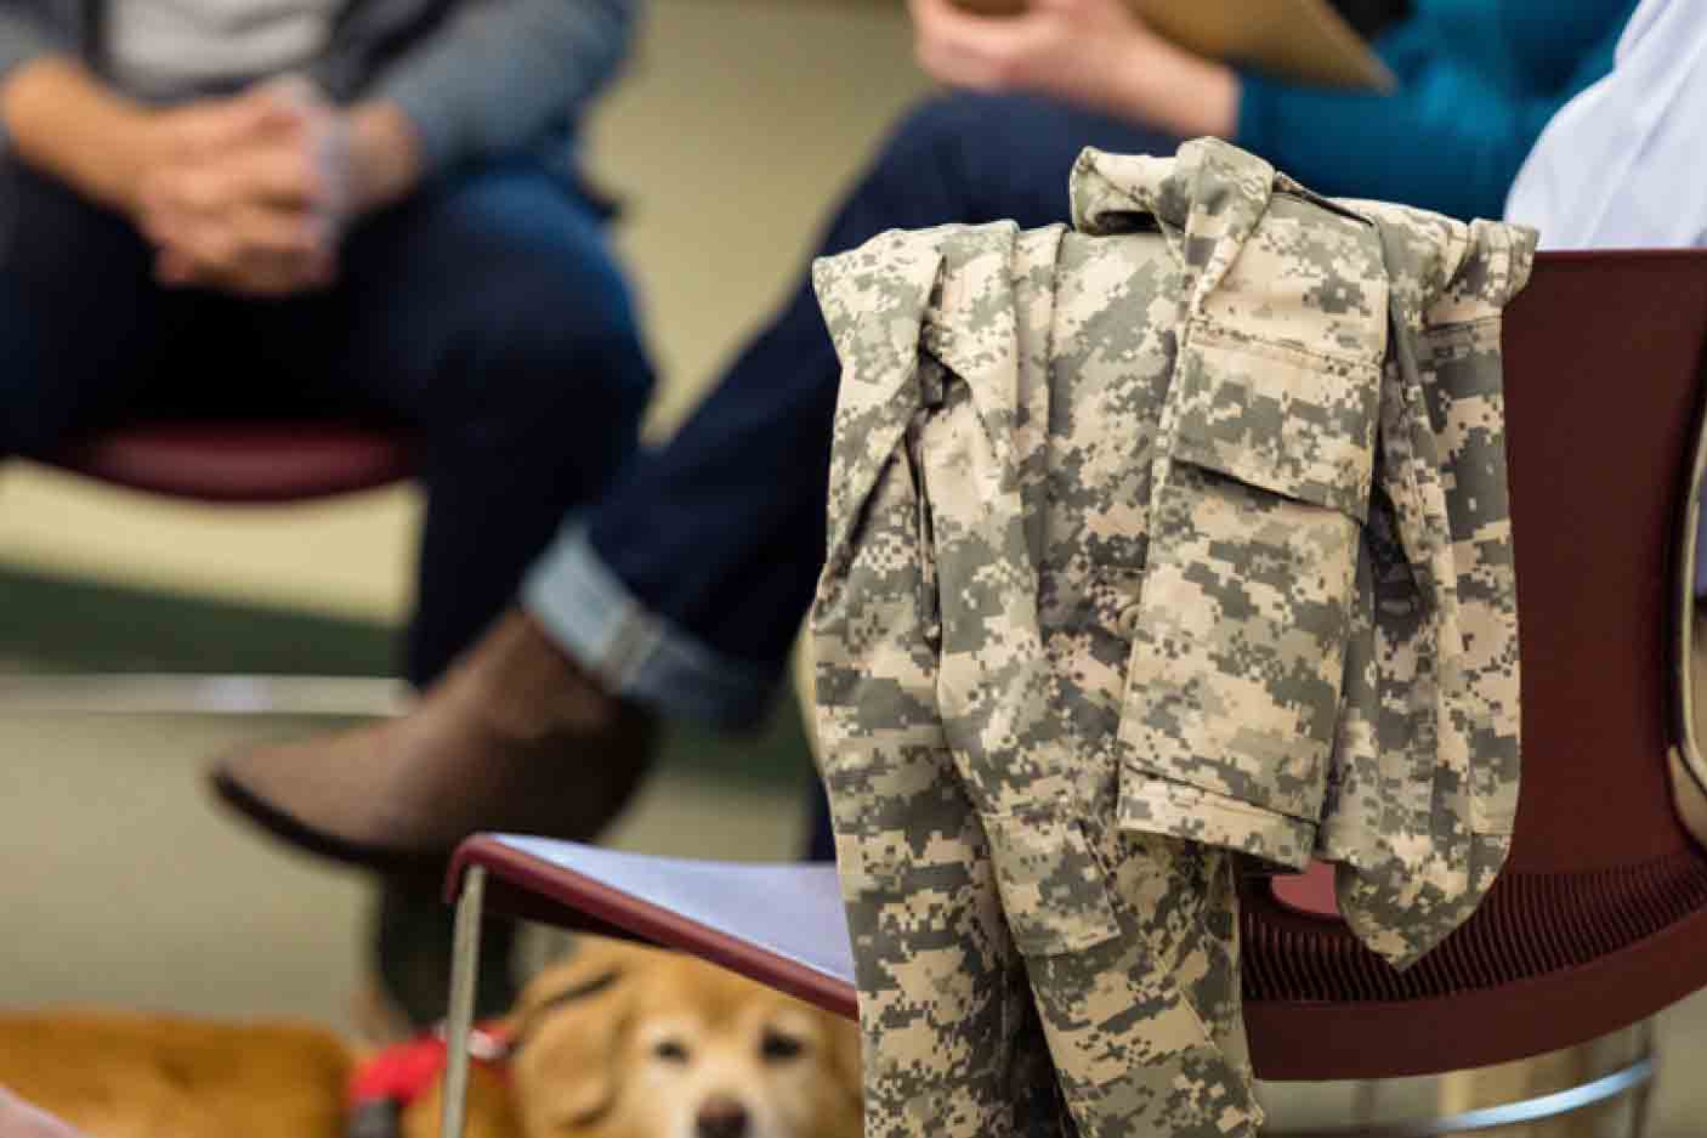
(120,885)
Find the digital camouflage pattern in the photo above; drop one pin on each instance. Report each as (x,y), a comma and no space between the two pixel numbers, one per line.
(1176,537)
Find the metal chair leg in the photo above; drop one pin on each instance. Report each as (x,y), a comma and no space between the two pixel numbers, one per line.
(1641,1098)
(465,971)
(1625,1081)
(1364,1102)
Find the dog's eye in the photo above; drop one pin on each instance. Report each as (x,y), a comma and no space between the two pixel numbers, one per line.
(670,1051)
(779,1048)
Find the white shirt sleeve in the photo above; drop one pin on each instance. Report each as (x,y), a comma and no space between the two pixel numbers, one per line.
(1624,164)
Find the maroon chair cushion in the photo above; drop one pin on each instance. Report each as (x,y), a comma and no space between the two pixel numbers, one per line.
(1310,893)
(243,461)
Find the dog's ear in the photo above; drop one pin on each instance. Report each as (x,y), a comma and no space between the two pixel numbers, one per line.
(568,1029)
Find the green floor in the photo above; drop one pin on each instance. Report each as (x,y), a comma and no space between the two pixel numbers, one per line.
(67,625)
(120,884)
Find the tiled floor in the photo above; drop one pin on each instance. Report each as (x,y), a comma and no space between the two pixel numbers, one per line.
(121,885)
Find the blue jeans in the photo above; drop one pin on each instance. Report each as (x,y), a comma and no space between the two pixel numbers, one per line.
(685,587)
(485,314)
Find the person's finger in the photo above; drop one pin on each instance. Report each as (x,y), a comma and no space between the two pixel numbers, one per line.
(291,234)
(967,70)
(265,251)
(200,190)
(283,175)
(210,130)
(952,24)
(270,276)
(174,269)
(252,274)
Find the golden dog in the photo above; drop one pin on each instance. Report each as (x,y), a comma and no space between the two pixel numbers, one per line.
(618,1042)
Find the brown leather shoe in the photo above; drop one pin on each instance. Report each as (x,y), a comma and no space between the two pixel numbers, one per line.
(514,738)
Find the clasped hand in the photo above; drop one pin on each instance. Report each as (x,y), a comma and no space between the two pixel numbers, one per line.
(246,194)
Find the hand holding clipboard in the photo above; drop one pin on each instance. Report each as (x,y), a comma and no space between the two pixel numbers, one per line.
(1305,41)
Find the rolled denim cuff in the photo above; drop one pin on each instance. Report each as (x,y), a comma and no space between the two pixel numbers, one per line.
(636,653)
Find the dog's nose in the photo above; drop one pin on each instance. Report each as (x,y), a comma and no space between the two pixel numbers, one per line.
(722,1117)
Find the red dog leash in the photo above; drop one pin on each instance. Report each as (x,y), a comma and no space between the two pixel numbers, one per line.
(384,1084)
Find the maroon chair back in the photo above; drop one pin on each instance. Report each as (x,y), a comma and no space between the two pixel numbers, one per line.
(1600,919)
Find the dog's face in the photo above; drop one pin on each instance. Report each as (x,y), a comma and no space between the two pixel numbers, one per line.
(626,1042)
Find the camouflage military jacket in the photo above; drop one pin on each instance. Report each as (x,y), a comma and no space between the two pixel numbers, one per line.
(1225,534)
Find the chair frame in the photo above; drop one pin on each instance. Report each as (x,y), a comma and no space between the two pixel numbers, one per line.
(1635,1080)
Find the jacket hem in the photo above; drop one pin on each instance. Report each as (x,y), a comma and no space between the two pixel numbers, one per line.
(1151,804)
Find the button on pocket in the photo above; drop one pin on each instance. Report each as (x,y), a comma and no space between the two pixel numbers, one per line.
(1126,620)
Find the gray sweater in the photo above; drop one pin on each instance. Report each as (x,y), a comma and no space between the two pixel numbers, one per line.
(480,79)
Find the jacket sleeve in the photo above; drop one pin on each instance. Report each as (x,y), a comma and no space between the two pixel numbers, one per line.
(1460,142)
(25,35)
(497,72)
(1426,806)
(880,736)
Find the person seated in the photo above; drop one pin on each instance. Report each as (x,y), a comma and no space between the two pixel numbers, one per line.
(1624,164)
(683,589)
(371,209)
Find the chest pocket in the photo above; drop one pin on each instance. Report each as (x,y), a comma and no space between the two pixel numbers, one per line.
(1239,630)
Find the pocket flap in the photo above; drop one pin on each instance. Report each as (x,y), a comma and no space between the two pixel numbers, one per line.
(1293,422)
(1053,890)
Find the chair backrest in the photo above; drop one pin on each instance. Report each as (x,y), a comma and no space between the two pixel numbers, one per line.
(1604,386)
(1605,356)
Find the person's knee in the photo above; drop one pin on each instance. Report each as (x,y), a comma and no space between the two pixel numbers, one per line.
(944,123)
(544,361)
(542,325)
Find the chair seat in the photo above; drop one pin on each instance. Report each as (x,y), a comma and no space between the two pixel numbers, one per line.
(243,461)
(1529,981)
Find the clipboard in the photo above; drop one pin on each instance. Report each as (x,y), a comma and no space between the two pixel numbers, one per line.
(1302,41)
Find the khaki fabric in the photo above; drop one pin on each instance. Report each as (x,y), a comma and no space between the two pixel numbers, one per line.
(1162,543)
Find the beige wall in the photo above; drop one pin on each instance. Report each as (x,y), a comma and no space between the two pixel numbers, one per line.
(739,121)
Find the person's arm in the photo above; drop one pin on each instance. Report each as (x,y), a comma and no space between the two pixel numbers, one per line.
(66,123)
(26,35)
(1455,148)
(1449,143)
(1623,166)
(385,160)
(498,72)
(1096,53)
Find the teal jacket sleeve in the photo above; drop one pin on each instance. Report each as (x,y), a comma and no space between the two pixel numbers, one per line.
(1446,139)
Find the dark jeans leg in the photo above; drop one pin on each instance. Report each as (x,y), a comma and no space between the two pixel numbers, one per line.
(722,531)
(490,316)
(83,328)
